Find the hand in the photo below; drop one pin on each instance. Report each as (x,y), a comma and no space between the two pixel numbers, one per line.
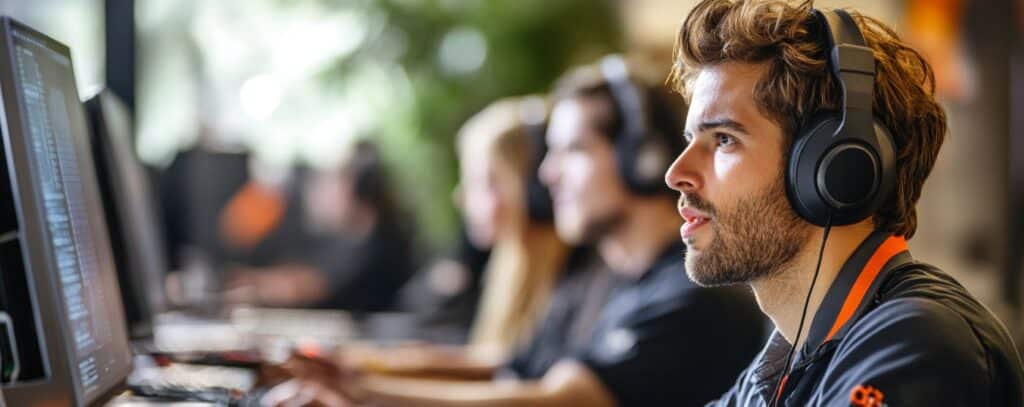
(316,369)
(321,374)
(296,393)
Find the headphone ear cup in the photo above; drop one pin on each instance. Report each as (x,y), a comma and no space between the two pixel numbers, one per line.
(885,152)
(642,163)
(848,180)
(652,160)
(810,144)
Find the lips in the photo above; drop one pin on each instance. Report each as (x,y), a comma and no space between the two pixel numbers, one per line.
(694,220)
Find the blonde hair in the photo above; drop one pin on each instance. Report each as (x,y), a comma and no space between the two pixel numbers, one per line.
(521,272)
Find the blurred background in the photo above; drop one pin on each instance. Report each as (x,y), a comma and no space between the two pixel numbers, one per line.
(260,122)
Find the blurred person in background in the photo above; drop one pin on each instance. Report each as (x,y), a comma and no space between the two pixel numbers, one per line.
(506,210)
(440,301)
(191,204)
(358,249)
(659,339)
(508,213)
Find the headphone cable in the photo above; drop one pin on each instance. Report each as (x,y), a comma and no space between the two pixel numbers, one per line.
(776,395)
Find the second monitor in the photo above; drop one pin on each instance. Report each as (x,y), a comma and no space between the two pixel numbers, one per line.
(136,237)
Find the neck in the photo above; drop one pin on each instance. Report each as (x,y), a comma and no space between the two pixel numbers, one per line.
(648,227)
(782,296)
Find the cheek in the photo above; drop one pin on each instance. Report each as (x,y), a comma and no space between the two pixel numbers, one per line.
(479,206)
(605,190)
(736,177)
(584,180)
(726,167)
(576,174)
(733,176)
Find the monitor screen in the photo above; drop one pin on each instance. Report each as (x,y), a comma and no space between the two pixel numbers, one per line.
(136,236)
(62,228)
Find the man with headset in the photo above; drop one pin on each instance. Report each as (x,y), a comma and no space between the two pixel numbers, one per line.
(659,340)
(811,133)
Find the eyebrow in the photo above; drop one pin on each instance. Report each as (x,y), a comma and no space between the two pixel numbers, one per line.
(722,123)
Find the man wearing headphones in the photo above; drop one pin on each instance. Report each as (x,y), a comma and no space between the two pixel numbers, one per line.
(659,340)
(811,133)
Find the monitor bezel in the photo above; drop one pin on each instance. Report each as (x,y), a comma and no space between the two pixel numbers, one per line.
(59,357)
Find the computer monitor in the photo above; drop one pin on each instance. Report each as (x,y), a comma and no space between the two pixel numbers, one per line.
(59,282)
(136,236)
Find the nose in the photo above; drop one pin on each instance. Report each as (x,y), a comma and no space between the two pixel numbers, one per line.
(548,171)
(682,175)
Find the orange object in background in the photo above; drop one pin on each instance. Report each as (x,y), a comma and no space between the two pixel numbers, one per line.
(251,215)
(935,29)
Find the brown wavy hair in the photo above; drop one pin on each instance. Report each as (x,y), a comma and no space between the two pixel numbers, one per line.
(792,43)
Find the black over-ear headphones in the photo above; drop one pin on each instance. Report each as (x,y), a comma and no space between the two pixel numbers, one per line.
(642,153)
(842,163)
(533,115)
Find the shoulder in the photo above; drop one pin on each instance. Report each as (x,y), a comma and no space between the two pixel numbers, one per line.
(920,296)
(913,326)
(921,311)
(914,350)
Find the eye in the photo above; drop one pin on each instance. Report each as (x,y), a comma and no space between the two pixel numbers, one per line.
(724,140)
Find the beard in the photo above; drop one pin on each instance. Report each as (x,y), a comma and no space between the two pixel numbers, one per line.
(589,230)
(602,226)
(757,238)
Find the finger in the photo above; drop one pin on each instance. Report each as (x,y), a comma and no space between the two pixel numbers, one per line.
(278,395)
(303,367)
(304,397)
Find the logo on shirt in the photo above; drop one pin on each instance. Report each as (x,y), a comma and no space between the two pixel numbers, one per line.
(617,343)
(866,396)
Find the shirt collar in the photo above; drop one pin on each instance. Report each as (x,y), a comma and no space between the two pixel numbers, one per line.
(854,289)
(849,296)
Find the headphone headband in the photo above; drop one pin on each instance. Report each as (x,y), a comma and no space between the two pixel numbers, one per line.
(627,96)
(853,64)
(841,28)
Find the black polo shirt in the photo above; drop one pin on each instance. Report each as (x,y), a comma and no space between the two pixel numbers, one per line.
(567,325)
(890,332)
(661,340)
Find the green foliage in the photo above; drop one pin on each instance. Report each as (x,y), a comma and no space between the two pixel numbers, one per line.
(529,43)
